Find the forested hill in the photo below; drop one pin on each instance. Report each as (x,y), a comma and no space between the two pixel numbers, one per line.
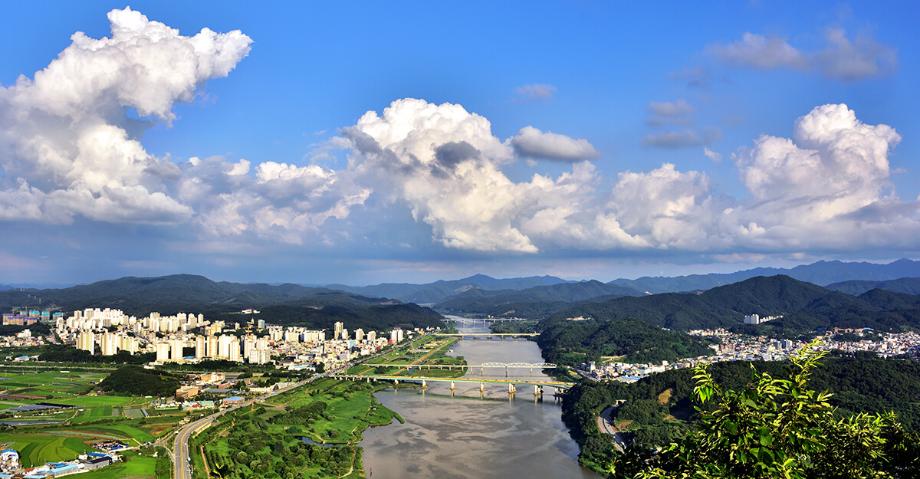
(804,307)
(658,407)
(280,304)
(537,302)
(857,287)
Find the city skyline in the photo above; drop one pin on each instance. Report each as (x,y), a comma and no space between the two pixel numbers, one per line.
(292,145)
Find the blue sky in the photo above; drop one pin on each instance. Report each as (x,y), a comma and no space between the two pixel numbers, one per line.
(593,70)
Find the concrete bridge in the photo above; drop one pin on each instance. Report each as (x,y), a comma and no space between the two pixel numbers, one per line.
(461,367)
(459,319)
(487,335)
(538,384)
(465,366)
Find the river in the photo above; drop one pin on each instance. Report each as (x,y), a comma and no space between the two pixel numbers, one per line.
(466,436)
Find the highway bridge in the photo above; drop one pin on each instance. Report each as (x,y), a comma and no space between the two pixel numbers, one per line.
(537,383)
(487,335)
(465,366)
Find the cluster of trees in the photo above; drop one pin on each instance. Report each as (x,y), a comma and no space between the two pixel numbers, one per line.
(35,329)
(254,452)
(859,384)
(137,381)
(777,427)
(66,354)
(571,342)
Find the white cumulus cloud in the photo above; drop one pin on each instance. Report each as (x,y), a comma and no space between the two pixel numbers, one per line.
(65,146)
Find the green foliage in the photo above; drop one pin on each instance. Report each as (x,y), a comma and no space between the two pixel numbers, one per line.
(777,427)
(68,354)
(137,381)
(859,383)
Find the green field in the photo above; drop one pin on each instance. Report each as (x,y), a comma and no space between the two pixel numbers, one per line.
(38,447)
(96,417)
(135,466)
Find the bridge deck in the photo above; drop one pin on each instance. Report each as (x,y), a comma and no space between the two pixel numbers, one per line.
(467,335)
(463,366)
(485,380)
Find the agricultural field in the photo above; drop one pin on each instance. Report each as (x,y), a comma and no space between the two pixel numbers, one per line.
(38,447)
(62,435)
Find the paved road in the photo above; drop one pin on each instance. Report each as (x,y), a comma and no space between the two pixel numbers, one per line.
(182,468)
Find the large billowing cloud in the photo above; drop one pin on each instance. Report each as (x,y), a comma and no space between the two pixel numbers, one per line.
(69,148)
(65,142)
(825,186)
(818,189)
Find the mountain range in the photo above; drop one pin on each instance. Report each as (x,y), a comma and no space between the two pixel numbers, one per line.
(857,287)
(536,302)
(820,273)
(803,307)
(474,289)
(280,304)
(430,293)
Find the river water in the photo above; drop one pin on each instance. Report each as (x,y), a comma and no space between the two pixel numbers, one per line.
(465,435)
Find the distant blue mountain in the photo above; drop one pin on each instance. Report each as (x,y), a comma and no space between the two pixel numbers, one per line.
(437,291)
(821,273)
(858,287)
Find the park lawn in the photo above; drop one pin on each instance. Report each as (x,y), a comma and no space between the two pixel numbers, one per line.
(133,466)
(97,401)
(39,447)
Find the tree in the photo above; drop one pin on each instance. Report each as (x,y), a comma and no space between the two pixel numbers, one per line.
(779,428)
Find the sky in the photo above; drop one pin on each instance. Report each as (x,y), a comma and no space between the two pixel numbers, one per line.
(365,142)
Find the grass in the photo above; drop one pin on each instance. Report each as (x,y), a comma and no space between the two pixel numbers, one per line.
(134,466)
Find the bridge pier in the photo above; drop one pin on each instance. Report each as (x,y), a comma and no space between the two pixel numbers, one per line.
(511,389)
